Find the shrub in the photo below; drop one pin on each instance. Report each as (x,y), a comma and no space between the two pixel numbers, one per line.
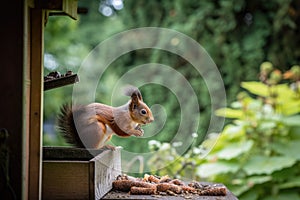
(257,155)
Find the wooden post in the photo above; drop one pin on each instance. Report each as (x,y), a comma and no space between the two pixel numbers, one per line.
(36,102)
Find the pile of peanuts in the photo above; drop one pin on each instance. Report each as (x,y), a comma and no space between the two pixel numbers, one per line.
(150,185)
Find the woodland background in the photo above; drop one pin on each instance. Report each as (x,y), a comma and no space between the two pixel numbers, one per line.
(238,35)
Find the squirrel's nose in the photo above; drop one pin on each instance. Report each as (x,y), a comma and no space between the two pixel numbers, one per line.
(151,119)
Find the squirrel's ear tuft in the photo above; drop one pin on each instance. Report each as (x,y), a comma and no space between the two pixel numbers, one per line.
(133,92)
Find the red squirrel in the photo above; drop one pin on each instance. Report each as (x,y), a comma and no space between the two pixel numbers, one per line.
(92,125)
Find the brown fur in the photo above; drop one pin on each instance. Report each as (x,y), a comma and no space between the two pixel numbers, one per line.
(87,126)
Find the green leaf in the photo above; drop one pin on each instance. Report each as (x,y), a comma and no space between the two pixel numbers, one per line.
(248,183)
(284,92)
(284,196)
(254,180)
(256,88)
(290,108)
(249,195)
(289,149)
(221,167)
(294,182)
(234,150)
(267,165)
(230,113)
(267,125)
(292,120)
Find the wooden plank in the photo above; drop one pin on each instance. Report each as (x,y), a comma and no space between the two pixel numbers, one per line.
(92,180)
(36,101)
(26,119)
(69,153)
(65,180)
(70,8)
(60,7)
(126,195)
(107,168)
(59,82)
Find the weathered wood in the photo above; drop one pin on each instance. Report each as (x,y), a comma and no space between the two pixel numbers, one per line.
(59,82)
(70,153)
(36,101)
(66,7)
(88,173)
(65,180)
(107,168)
(126,195)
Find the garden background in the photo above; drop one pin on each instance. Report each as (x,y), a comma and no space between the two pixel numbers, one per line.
(255,45)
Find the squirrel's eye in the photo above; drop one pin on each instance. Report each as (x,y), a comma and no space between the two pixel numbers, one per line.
(143,112)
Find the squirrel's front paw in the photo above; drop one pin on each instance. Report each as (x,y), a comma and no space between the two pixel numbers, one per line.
(138,133)
(142,132)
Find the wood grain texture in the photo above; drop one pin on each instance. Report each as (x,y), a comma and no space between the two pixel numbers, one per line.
(60,7)
(59,82)
(36,101)
(126,195)
(70,153)
(107,168)
(79,173)
(65,180)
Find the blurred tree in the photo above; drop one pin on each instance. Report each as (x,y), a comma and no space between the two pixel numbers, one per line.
(238,35)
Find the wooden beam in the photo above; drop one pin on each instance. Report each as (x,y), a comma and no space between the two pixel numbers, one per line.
(60,7)
(36,101)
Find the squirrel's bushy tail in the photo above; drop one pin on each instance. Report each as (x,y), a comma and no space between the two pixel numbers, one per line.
(66,126)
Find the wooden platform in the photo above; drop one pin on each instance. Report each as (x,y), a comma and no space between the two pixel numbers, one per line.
(73,173)
(124,195)
(59,82)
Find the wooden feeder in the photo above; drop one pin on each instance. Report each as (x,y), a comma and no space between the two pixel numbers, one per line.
(73,173)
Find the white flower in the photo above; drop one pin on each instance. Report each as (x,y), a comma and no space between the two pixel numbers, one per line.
(165,146)
(154,143)
(197,150)
(177,144)
(194,135)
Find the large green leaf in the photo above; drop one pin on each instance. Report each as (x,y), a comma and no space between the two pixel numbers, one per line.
(232,131)
(234,150)
(246,184)
(284,196)
(284,92)
(256,88)
(290,108)
(230,113)
(220,167)
(294,182)
(254,180)
(249,195)
(292,120)
(289,149)
(267,165)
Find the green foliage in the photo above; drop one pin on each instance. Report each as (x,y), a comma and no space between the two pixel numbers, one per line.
(238,35)
(257,154)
